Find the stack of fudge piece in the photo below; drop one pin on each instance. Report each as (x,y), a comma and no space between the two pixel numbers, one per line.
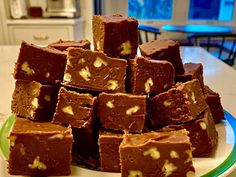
(138,115)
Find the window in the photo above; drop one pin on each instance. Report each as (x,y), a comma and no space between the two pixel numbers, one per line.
(154,9)
(221,10)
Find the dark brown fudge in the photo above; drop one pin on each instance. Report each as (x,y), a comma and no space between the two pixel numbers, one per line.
(40,64)
(34,101)
(149,76)
(116,35)
(191,71)
(39,149)
(63,45)
(180,104)
(202,133)
(213,100)
(156,154)
(109,151)
(164,49)
(94,71)
(74,109)
(120,111)
(85,146)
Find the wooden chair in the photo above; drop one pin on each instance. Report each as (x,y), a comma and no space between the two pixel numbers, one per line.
(147,30)
(224,45)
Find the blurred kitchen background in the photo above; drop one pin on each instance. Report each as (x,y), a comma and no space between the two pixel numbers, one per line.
(46,21)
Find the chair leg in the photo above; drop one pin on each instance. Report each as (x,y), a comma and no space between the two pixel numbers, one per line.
(221,47)
(146,36)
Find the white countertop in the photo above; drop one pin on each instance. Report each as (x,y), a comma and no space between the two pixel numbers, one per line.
(219,76)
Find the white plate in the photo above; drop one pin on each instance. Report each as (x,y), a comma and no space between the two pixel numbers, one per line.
(220,163)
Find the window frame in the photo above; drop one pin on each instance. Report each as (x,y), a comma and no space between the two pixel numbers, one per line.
(179,14)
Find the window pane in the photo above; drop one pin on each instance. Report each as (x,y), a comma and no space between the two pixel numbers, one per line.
(150,9)
(221,10)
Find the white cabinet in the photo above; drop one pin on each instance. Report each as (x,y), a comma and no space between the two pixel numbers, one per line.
(44,31)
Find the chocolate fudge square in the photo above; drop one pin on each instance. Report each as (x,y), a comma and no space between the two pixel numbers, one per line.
(156,154)
(109,143)
(213,100)
(191,71)
(74,109)
(63,45)
(40,64)
(85,146)
(34,100)
(116,35)
(121,111)
(39,149)
(94,71)
(149,76)
(180,104)
(164,49)
(202,133)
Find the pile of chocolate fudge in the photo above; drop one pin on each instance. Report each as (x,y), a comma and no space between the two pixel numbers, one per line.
(107,108)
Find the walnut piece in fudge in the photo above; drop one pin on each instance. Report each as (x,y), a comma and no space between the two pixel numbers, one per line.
(74,109)
(63,45)
(94,71)
(34,100)
(109,143)
(202,133)
(191,71)
(213,100)
(149,76)
(164,49)
(39,149)
(120,111)
(180,104)
(116,35)
(156,154)
(42,64)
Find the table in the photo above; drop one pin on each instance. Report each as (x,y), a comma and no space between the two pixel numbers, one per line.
(198,29)
(219,76)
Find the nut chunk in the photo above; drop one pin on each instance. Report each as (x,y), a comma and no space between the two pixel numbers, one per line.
(178,105)
(63,45)
(109,151)
(202,133)
(74,109)
(122,111)
(34,100)
(94,71)
(39,149)
(40,64)
(116,35)
(156,154)
(149,76)
(164,49)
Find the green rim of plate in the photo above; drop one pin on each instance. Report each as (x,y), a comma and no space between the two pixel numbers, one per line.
(219,170)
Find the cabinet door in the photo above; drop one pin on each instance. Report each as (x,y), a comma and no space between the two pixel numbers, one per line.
(39,34)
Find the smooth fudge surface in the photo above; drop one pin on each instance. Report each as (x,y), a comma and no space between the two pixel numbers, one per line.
(74,109)
(109,143)
(64,45)
(39,149)
(202,133)
(149,76)
(156,154)
(191,71)
(121,111)
(34,100)
(94,71)
(116,35)
(213,100)
(164,49)
(180,104)
(42,64)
